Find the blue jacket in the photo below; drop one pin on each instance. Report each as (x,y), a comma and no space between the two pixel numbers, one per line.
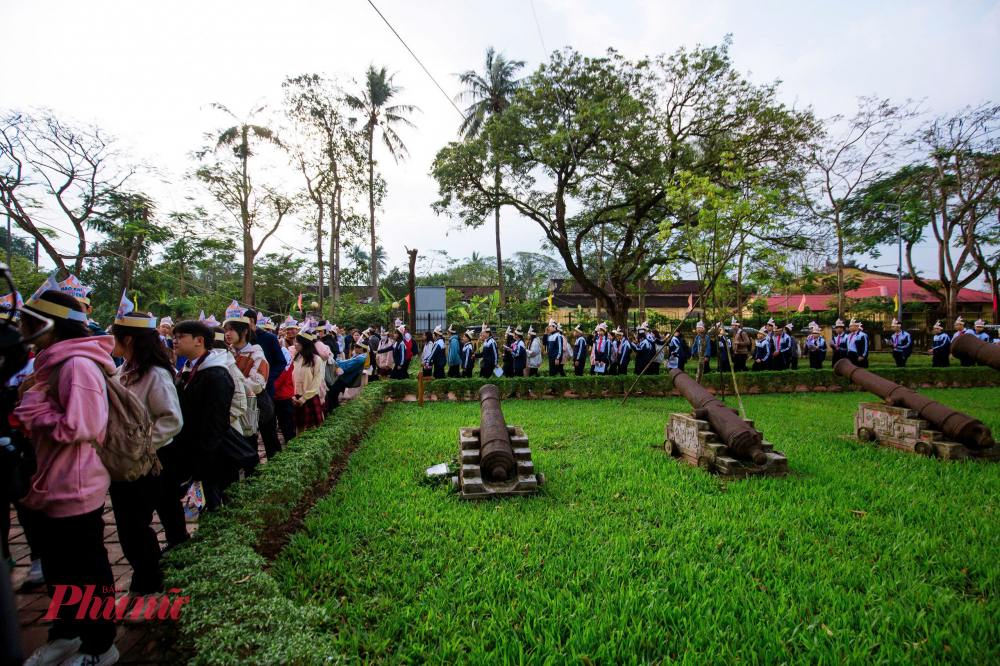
(520,354)
(398,350)
(762,350)
(984,336)
(784,342)
(580,349)
(697,346)
(858,343)
(352,367)
(839,342)
(555,346)
(439,355)
(468,356)
(488,353)
(819,344)
(904,343)
(941,342)
(624,353)
(454,351)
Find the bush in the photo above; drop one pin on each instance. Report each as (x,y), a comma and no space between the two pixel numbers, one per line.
(237,614)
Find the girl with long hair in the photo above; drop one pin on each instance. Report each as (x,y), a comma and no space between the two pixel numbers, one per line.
(307,371)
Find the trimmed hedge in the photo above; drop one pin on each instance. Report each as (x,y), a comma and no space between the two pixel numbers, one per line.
(236,613)
(785,381)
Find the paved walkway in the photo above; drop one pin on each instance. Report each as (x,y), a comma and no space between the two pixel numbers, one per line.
(136,641)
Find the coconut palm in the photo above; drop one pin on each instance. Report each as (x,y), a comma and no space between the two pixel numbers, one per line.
(490,94)
(373,103)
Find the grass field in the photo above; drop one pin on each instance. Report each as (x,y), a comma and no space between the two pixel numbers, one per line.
(863,555)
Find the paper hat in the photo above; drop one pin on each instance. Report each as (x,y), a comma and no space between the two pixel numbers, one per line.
(437,329)
(979,322)
(552,323)
(701,324)
(166,320)
(603,326)
(531,330)
(234,313)
(937,324)
(718,325)
(813,326)
(290,323)
(770,322)
(577,328)
(261,319)
(559,327)
(840,323)
(126,318)
(451,329)
(75,288)
(959,321)
(854,322)
(507,332)
(734,322)
(305,335)
(52,309)
(895,322)
(519,332)
(398,322)
(643,326)
(220,336)
(789,326)
(11,301)
(212,321)
(485,328)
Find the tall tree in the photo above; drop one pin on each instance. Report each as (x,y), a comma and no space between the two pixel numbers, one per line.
(374,104)
(128,221)
(48,165)
(852,154)
(324,156)
(231,183)
(490,94)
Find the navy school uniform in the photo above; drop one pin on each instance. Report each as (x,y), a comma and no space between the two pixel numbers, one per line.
(857,349)
(941,351)
(439,357)
(784,342)
(902,348)
(696,347)
(554,347)
(839,345)
(816,344)
(762,355)
(468,359)
(398,359)
(624,356)
(519,356)
(724,351)
(488,357)
(579,355)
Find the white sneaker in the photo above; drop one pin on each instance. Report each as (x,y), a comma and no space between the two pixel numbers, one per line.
(106,659)
(35,575)
(54,652)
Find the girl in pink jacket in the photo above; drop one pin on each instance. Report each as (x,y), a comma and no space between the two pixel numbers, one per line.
(66,499)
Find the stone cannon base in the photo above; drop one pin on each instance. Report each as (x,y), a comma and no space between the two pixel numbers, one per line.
(693,441)
(470,484)
(904,429)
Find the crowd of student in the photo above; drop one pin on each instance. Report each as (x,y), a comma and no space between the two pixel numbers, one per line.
(207,392)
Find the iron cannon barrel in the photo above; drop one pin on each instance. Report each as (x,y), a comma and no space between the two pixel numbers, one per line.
(955,425)
(971,348)
(743,441)
(496,454)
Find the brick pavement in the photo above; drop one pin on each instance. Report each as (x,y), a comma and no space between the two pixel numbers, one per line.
(137,642)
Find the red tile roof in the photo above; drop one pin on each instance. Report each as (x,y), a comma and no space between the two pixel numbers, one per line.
(868,289)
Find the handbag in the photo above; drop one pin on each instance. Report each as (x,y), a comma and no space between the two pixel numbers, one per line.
(265,405)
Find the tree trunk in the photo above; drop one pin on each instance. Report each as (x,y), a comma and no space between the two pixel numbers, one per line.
(411,290)
(840,268)
(496,212)
(371,210)
(248,254)
(952,303)
(319,255)
(739,291)
(128,270)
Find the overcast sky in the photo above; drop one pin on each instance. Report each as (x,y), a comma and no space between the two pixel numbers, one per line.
(147,71)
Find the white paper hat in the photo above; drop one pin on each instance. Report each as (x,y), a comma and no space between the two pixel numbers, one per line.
(700,324)
(895,322)
(770,322)
(979,322)
(734,322)
(840,323)
(937,324)
(437,330)
(959,321)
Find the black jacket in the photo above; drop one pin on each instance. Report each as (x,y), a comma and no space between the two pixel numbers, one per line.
(205,401)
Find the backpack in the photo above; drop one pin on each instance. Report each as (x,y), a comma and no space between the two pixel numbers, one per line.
(685,350)
(127,451)
(567,350)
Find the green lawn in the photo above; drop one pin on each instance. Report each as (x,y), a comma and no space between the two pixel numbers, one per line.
(863,555)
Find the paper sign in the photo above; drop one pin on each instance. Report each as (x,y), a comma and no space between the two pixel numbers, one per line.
(497,371)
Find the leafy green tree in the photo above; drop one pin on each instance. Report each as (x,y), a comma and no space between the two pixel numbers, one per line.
(129,222)
(230,182)
(374,104)
(490,94)
(19,246)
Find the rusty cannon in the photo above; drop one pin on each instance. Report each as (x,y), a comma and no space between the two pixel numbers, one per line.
(971,348)
(914,422)
(714,436)
(495,457)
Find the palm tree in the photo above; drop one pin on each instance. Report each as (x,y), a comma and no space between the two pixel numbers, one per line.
(490,94)
(376,94)
(358,257)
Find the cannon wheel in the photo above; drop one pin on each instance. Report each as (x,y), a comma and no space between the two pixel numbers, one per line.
(923,448)
(668,446)
(866,435)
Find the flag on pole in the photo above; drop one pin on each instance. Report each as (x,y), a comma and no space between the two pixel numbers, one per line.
(407,299)
(802,304)
(690,301)
(895,303)
(300,302)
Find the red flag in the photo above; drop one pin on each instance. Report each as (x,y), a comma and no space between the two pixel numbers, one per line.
(802,304)
(300,302)
(690,301)
(407,299)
